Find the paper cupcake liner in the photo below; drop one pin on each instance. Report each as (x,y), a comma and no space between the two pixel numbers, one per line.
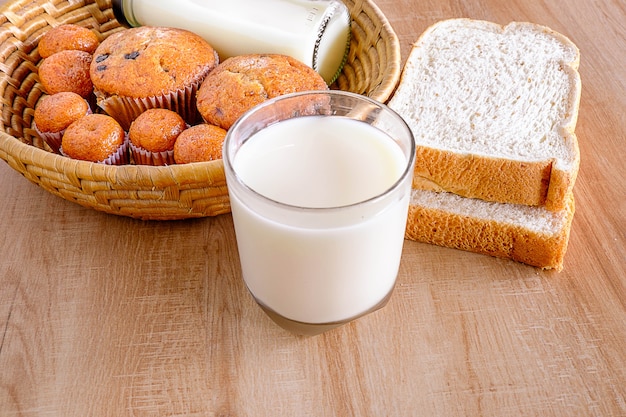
(119,157)
(126,109)
(141,156)
(52,139)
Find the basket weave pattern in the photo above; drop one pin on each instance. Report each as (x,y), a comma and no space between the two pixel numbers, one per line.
(145,192)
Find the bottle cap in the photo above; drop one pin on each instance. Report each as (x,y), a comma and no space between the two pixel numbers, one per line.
(333,42)
(118,11)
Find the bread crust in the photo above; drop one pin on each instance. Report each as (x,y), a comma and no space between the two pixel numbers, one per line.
(473,233)
(474,176)
(544,182)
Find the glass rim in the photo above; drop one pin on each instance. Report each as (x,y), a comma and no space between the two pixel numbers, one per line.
(369,201)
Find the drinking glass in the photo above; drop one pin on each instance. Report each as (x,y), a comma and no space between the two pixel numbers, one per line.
(319,186)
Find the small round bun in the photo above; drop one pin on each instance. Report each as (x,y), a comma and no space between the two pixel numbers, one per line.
(156,130)
(241,82)
(67,71)
(67,37)
(152,136)
(94,138)
(56,112)
(199,143)
(53,114)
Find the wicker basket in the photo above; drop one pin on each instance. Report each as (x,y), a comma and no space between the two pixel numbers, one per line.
(155,193)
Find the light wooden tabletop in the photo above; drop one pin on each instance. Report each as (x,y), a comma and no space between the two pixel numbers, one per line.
(107,316)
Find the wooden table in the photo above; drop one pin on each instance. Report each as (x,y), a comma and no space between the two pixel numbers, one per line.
(107,316)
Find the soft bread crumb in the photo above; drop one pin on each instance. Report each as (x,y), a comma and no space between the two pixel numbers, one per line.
(537,219)
(493,110)
(489,91)
(530,235)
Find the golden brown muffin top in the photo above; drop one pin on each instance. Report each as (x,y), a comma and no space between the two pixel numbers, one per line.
(67,71)
(156,130)
(56,112)
(149,61)
(67,37)
(241,82)
(93,138)
(199,143)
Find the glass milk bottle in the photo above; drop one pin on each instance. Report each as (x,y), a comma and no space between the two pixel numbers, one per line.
(316,32)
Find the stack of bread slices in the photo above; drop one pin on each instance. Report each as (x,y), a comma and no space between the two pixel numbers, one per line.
(493,111)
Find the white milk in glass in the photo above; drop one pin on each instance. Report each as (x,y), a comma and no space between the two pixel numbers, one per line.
(332,267)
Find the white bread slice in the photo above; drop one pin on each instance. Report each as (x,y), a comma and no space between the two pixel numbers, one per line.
(493,110)
(528,234)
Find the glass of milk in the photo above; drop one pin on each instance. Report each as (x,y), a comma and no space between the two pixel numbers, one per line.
(319,186)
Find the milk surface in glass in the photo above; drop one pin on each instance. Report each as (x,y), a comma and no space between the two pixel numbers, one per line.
(337,266)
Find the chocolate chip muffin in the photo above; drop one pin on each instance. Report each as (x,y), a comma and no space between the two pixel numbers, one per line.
(150,67)
(241,82)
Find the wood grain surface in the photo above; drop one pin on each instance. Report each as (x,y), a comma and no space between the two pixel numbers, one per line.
(108,316)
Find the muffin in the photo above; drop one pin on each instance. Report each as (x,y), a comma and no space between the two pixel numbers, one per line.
(96,138)
(67,71)
(152,136)
(241,82)
(199,143)
(53,114)
(150,67)
(67,37)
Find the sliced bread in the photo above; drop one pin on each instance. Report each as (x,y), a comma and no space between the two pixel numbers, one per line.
(531,235)
(493,110)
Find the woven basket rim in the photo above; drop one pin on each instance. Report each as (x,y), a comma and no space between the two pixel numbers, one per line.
(392,77)
(52,170)
(33,155)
